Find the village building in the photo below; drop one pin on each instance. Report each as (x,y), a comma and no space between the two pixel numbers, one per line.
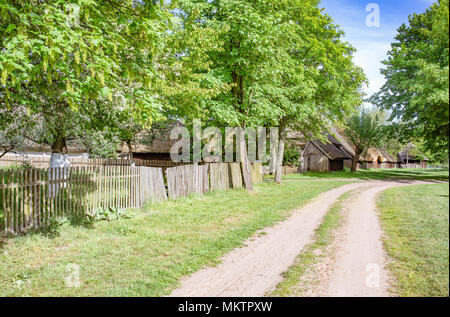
(30,150)
(319,156)
(411,157)
(376,158)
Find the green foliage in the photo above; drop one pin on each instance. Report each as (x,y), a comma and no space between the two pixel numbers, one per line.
(108,214)
(417,74)
(313,82)
(66,62)
(291,156)
(365,129)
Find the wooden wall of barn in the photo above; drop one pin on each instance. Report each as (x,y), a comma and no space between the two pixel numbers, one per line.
(317,160)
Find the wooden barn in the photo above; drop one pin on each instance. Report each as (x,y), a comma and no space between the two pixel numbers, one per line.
(151,146)
(411,157)
(325,157)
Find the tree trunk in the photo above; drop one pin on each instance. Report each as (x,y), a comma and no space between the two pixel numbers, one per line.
(246,174)
(273,160)
(130,153)
(58,159)
(280,154)
(355,160)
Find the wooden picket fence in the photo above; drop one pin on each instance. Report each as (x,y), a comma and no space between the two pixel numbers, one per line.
(32,198)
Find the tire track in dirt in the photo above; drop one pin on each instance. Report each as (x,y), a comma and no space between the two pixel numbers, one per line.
(257,268)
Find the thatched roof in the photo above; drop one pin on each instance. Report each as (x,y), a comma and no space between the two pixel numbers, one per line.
(375,154)
(333,148)
(411,152)
(73,147)
(160,144)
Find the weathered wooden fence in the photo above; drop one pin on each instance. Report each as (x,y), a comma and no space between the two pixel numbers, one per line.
(185,180)
(30,198)
(286,170)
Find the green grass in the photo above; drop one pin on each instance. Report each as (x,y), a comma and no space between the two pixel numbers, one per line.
(147,254)
(379,173)
(9,167)
(293,283)
(416,222)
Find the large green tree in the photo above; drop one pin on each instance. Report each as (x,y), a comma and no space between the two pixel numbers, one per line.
(66,61)
(417,79)
(316,83)
(276,63)
(245,33)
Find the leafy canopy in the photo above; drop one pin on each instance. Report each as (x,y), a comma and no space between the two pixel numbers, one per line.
(365,129)
(417,79)
(67,61)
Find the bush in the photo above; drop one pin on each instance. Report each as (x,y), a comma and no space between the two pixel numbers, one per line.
(291,156)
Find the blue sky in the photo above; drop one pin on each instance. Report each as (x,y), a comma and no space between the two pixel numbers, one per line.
(372,43)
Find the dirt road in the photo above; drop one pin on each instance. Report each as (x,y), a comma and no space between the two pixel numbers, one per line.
(256,269)
(359,267)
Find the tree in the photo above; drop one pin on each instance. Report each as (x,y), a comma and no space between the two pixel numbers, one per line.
(314,83)
(417,79)
(364,130)
(65,63)
(276,63)
(244,32)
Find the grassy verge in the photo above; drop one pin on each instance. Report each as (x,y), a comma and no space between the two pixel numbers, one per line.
(379,173)
(148,253)
(293,283)
(416,222)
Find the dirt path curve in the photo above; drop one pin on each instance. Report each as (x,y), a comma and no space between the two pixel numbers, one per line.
(359,265)
(256,268)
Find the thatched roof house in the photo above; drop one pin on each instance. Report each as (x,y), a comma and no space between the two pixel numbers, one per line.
(153,145)
(73,148)
(411,157)
(377,158)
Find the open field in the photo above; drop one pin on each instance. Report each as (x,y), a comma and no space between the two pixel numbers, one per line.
(416,222)
(381,173)
(145,255)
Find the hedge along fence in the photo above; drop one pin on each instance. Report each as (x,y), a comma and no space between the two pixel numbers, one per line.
(31,198)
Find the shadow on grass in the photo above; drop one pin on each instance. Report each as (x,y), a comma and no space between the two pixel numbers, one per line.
(53,228)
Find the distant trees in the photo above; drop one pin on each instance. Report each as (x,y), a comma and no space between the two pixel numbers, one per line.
(417,79)
(364,130)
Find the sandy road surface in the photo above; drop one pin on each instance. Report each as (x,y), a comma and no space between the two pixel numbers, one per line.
(256,269)
(359,265)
